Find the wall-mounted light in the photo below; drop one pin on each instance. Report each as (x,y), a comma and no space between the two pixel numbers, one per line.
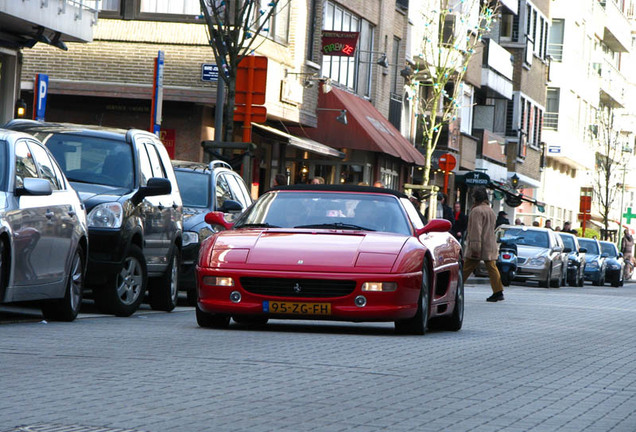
(514,180)
(382,60)
(342,117)
(56,42)
(20,109)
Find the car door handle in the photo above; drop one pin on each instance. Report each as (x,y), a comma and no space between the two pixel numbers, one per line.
(49,214)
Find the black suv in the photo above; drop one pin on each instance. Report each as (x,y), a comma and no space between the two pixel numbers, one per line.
(126,181)
(205,188)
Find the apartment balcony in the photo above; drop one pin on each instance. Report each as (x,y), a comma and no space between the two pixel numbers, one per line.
(613,85)
(26,22)
(497,70)
(511,5)
(617,30)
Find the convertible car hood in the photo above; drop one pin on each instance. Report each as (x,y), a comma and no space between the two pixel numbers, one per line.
(314,250)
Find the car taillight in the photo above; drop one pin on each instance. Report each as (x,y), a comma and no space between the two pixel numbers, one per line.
(506,256)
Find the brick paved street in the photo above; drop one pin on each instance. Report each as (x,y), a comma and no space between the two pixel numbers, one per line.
(542,360)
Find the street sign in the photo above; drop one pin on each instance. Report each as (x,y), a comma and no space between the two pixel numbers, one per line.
(629,215)
(251,81)
(157,94)
(447,162)
(585,204)
(476,178)
(209,72)
(39,96)
(258,114)
(584,216)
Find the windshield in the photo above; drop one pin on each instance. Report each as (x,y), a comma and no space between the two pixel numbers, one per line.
(590,245)
(609,249)
(568,242)
(526,237)
(340,210)
(194,188)
(87,159)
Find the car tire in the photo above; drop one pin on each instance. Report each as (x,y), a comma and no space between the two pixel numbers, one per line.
(67,308)
(418,324)
(124,291)
(210,320)
(548,279)
(554,283)
(192,295)
(164,291)
(4,261)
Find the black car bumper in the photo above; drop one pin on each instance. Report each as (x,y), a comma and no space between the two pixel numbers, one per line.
(105,255)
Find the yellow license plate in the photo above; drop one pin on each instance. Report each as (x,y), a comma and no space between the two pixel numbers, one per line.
(296,308)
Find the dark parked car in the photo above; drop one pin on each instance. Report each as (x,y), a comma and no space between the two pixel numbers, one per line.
(205,188)
(614,263)
(43,232)
(576,259)
(594,262)
(126,181)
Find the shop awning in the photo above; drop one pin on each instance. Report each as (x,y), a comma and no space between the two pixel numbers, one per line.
(366,129)
(301,143)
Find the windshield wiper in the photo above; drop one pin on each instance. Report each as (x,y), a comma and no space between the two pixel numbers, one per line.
(336,225)
(257,225)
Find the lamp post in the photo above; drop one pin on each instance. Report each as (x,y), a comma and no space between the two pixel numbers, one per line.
(620,214)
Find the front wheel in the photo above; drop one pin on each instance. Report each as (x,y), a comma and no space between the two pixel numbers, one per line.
(505,278)
(210,320)
(548,279)
(67,308)
(164,291)
(418,324)
(124,292)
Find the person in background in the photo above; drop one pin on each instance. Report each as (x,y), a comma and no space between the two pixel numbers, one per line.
(460,221)
(627,247)
(502,219)
(280,180)
(442,211)
(317,180)
(535,223)
(567,227)
(378,184)
(518,222)
(548,224)
(480,243)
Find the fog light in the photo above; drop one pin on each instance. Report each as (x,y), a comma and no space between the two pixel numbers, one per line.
(360,301)
(235,296)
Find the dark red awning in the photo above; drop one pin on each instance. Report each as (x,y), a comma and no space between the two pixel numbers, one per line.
(367,129)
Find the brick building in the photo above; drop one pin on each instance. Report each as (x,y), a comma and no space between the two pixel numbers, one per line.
(109,82)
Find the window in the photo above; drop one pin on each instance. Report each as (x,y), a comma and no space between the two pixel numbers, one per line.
(466,113)
(552,108)
(396,65)
(223,191)
(46,166)
(537,26)
(144,166)
(155,162)
(24,164)
(555,46)
(182,7)
(352,72)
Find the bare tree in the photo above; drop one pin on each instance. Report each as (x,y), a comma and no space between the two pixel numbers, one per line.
(610,162)
(452,31)
(234,27)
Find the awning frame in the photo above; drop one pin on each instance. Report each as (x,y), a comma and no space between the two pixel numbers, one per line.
(303,143)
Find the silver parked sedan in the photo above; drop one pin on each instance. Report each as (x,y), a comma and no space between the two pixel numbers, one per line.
(540,254)
(43,233)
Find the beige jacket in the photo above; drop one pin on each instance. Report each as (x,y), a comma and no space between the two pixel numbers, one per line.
(480,235)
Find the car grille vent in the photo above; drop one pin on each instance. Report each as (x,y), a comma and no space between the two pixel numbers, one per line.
(298,287)
(521,261)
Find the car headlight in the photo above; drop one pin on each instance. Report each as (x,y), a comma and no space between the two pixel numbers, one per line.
(205,232)
(537,261)
(106,215)
(190,237)
(593,264)
(614,266)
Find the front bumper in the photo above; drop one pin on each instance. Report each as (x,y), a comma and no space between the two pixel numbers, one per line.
(593,274)
(380,306)
(613,275)
(528,273)
(105,255)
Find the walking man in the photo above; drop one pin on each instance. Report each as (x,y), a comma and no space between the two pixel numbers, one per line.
(481,244)
(627,247)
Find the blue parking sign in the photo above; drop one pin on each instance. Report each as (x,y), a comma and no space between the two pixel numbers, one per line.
(209,72)
(39,93)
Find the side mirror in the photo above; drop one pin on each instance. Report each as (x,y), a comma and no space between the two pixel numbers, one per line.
(604,255)
(583,250)
(34,187)
(230,206)
(217,218)
(435,225)
(567,250)
(620,254)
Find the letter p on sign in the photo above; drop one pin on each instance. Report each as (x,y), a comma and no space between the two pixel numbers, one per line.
(39,96)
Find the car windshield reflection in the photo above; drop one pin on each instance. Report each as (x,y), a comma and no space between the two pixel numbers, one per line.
(346,211)
(527,237)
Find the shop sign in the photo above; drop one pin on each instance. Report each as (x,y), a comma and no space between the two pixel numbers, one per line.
(339,43)
(476,178)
